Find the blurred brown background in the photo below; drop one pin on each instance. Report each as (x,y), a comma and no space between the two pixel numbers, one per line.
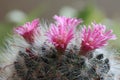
(50,7)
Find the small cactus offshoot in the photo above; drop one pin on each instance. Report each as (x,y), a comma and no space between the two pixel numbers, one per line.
(57,52)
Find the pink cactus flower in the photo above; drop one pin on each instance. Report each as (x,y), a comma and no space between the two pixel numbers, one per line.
(61,33)
(28,30)
(67,22)
(95,37)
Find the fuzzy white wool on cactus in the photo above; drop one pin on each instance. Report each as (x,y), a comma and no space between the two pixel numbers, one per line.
(55,52)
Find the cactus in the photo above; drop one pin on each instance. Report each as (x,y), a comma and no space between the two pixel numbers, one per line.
(57,52)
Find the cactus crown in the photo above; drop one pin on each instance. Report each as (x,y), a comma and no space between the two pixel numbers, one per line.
(57,53)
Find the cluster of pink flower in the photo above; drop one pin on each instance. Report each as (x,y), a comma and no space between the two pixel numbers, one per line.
(62,32)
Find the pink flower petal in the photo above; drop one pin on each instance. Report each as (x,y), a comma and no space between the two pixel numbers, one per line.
(95,37)
(28,30)
(62,32)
